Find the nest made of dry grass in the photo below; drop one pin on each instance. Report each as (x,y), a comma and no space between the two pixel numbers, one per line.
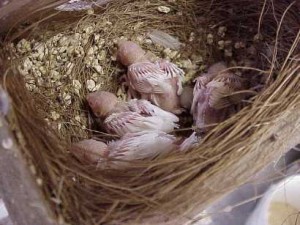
(180,185)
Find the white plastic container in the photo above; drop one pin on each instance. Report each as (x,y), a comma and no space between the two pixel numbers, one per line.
(280,204)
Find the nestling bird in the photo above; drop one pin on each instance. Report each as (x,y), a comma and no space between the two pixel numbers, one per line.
(131,147)
(215,97)
(90,150)
(132,122)
(159,82)
(213,71)
(130,117)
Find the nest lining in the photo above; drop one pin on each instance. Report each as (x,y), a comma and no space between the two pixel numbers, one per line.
(94,195)
(63,67)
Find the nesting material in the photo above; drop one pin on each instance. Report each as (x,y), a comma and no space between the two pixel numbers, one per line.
(60,63)
(81,59)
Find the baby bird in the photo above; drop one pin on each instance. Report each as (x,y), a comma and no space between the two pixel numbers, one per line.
(159,82)
(130,117)
(131,147)
(213,71)
(214,96)
(90,151)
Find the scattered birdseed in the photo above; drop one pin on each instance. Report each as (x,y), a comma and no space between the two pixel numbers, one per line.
(102,55)
(140,39)
(221,44)
(121,95)
(222,31)
(90,11)
(197,59)
(78,118)
(192,37)
(39,181)
(168,53)
(55,115)
(91,85)
(98,87)
(148,41)
(257,37)
(210,39)
(77,86)
(187,64)
(67,98)
(163,9)
(50,65)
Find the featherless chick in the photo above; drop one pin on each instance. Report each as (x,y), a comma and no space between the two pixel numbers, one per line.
(130,117)
(130,148)
(159,82)
(215,95)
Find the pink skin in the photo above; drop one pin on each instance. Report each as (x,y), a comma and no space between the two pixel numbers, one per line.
(140,146)
(212,72)
(90,151)
(130,53)
(204,115)
(168,101)
(133,122)
(130,148)
(129,117)
(213,100)
(102,103)
(158,82)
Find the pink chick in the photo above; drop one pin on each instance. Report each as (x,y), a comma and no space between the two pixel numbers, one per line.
(159,82)
(90,151)
(214,97)
(132,122)
(130,117)
(104,103)
(131,147)
(212,72)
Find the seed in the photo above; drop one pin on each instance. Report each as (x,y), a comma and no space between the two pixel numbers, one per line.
(90,85)
(163,9)
(210,39)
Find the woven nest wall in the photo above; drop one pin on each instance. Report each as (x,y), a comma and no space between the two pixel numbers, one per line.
(259,39)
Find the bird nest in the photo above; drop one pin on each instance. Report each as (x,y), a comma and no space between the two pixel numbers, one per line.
(53,63)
